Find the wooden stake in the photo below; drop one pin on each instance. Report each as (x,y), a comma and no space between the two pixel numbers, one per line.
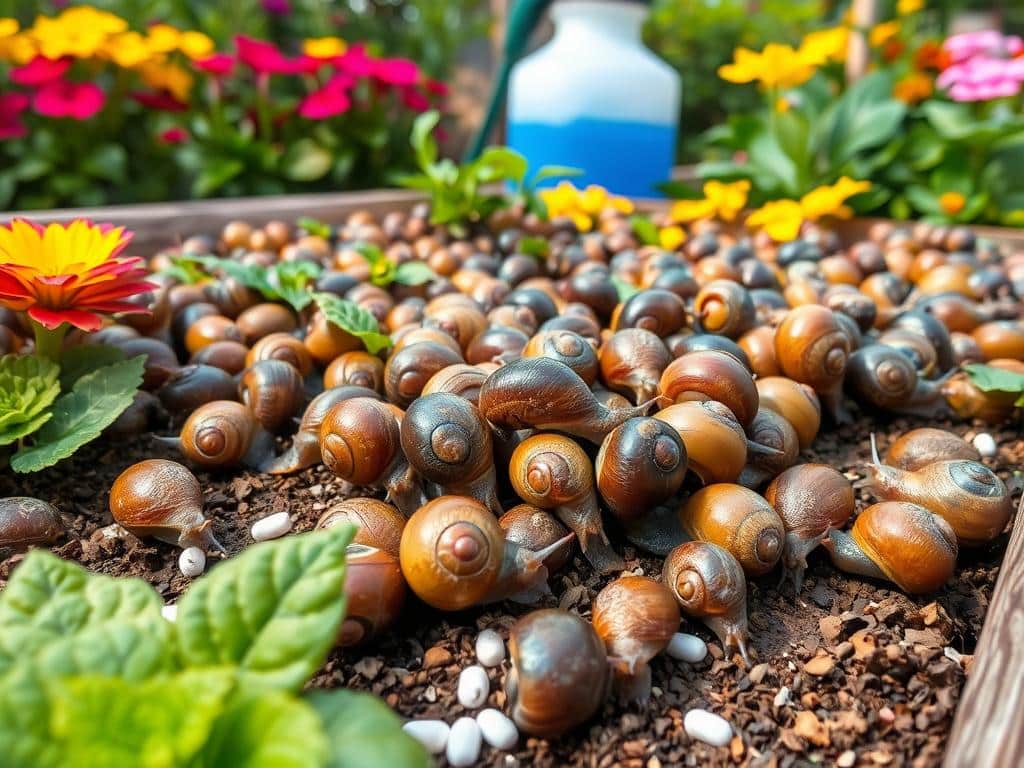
(858,53)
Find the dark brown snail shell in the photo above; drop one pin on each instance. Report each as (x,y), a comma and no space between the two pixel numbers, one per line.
(725,307)
(711,376)
(25,521)
(884,377)
(374,591)
(568,348)
(632,361)
(536,529)
(642,463)
(194,385)
(358,369)
(920,447)
(273,391)
(656,310)
(378,524)
(408,370)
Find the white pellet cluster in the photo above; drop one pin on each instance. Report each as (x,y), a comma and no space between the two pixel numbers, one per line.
(272,527)
(192,562)
(708,727)
(464,742)
(986,445)
(432,734)
(689,648)
(473,687)
(498,730)
(490,648)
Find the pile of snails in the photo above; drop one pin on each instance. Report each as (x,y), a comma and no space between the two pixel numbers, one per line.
(527,407)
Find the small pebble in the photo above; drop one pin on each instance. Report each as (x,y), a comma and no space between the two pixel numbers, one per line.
(272,527)
(707,727)
(490,648)
(432,734)
(986,445)
(463,742)
(847,760)
(192,562)
(687,648)
(782,697)
(498,731)
(473,687)
(170,612)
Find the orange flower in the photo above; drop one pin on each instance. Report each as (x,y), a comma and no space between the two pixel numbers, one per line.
(952,203)
(68,273)
(931,55)
(913,88)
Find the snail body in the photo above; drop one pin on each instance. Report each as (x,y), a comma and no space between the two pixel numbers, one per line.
(769,429)
(920,447)
(536,529)
(25,521)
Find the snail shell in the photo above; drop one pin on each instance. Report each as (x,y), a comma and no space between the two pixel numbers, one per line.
(769,429)
(795,402)
(25,521)
(811,347)
(459,379)
(408,370)
(191,386)
(378,524)
(642,462)
(655,309)
(884,377)
(568,348)
(725,307)
(920,447)
(374,591)
(716,447)
(224,434)
(632,361)
(759,344)
(711,376)
(535,529)
(358,369)
(274,392)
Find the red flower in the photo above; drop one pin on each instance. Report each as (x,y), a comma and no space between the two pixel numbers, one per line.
(63,98)
(40,70)
(263,57)
(161,100)
(396,71)
(328,101)
(175,135)
(218,65)
(11,107)
(414,99)
(436,87)
(355,61)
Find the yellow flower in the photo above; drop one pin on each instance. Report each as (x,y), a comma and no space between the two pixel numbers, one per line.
(830,200)
(907,7)
(128,50)
(825,45)
(780,219)
(324,47)
(20,49)
(913,88)
(782,105)
(882,33)
(952,203)
(721,200)
(671,238)
(776,66)
(8,27)
(57,37)
(168,77)
(582,206)
(101,21)
(195,45)
(163,38)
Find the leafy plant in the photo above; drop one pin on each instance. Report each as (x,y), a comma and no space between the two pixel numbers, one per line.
(290,281)
(990,379)
(352,318)
(91,674)
(384,272)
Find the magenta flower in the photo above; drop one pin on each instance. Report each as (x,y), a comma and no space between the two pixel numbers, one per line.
(414,99)
(159,100)
(218,65)
(264,58)
(436,87)
(987,41)
(396,71)
(174,135)
(63,98)
(11,107)
(277,7)
(40,70)
(331,100)
(355,61)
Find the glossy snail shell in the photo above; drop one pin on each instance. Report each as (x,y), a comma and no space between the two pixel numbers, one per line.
(725,307)
(25,521)
(811,347)
(568,348)
(374,591)
(632,361)
(716,447)
(378,524)
(283,347)
(920,447)
(359,440)
(459,379)
(408,370)
(711,375)
(537,529)
(359,369)
(274,392)
(795,402)
(641,463)
(221,434)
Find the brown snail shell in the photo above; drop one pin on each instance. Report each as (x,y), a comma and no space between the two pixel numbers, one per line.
(884,377)
(229,356)
(325,341)
(162,499)
(632,361)
(497,344)
(223,434)
(917,348)
(378,524)
(655,309)
(274,392)
(711,375)
(357,369)
(920,447)
(408,370)
(1000,339)
(769,429)
(725,307)
(812,348)
(708,583)
(25,521)
(191,386)
(795,402)
(642,463)
(374,591)
(264,319)
(283,347)
(460,379)
(535,529)
(209,329)
(759,344)
(568,348)
(716,446)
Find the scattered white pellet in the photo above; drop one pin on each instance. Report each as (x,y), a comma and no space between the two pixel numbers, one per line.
(192,562)
(986,445)
(687,648)
(432,734)
(707,727)
(464,742)
(170,612)
(272,527)
(490,648)
(498,731)
(473,687)
(782,697)
(952,654)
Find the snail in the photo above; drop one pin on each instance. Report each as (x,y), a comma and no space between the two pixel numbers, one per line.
(542,393)
(497,344)
(914,347)
(899,542)
(811,500)
(283,347)
(738,520)
(959,313)
(969,402)
(162,499)
(460,379)
(160,360)
(560,675)
(208,329)
(708,583)
(25,521)
(636,617)
(454,555)
(462,321)
(409,368)
(360,443)
(191,386)
(655,309)
(264,319)
(229,356)
(884,377)
(374,593)
(966,494)
(759,344)
(920,447)
(448,442)
(632,361)
(273,391)
(305,448)
(932,329)
(812,348)
(553,472)
(795,402)
(223,434)
(1001,339)
(358,369)
(378,524)
(568,348)
(325,341)
(725,307)
(769,429)
(536,529)
(711,376)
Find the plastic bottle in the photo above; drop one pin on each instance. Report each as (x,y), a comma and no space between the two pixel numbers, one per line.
(596,99)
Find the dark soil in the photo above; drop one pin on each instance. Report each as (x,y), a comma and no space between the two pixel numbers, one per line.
(885,695)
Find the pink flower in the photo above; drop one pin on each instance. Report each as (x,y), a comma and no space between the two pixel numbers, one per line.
(63,98)
(396,71)
(175,135)
(277,7)
(987,41)
(40,70)
(982,78)
(355,61)
(161,100)
(11,107)
(436,87)
(414,99)
(331,100)
(263,57)
(218,65)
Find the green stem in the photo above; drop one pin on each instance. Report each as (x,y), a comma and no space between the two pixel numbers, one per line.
(49,343)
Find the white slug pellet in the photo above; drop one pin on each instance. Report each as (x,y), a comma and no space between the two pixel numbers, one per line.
(707,727)
(192,562)
(463,742)
(432,734)
(170,612)
(490,648)
(687,648)
(473,687)
(986,445)
(273,527)
(498,731)
(782,698)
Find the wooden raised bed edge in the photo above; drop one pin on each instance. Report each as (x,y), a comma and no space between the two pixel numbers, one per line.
(988,729)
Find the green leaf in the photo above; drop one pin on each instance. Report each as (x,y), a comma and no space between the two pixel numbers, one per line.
(372,253)
(293,281)
(550,172)
(315,227)
(990,379)
(422,139)
(163,722)
(216,172)
(923,200)
(414,273)
(645,229)
(624,289)
(84,359)
(25,738)
(108,162)
(500,164)
(363,731)
(872,126)
(305,160)
(538,247)
(678,190)
(273,610)
(94,403)
(767,155)
(272,730)
(28,387)
(352,318)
